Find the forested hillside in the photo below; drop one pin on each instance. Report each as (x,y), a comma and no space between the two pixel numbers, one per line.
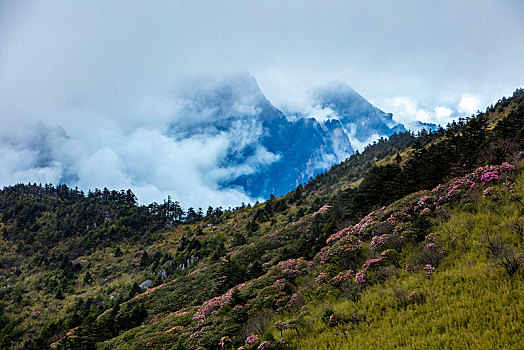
(416,242)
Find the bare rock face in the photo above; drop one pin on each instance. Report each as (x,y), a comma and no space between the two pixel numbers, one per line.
(146,284)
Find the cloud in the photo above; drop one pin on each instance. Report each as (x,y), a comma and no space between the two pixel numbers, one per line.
(96,94)
(469,104)
(408,112)
(97,149)
(153,164)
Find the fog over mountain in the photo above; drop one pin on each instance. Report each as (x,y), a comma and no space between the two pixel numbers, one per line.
(129,95)
(224,142)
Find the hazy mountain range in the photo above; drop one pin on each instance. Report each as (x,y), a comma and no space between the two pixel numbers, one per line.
(213,140)
(278,151)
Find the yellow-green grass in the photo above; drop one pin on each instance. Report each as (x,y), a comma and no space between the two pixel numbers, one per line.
(471,303)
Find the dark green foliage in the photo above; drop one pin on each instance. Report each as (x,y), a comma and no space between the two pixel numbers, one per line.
(145,260)
(59,294)
(135,289)
(466,146)
(118,252)
(38,217)
(381,186)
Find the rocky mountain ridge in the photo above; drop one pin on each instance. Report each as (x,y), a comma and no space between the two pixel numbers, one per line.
(282,153)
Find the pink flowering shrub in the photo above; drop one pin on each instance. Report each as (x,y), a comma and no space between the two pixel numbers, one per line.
(428,270)
(344,252)
(426,204)
(251,341)
(430,237)
(342,278)
(509,188)
(292,268)
(360,279)
(265,345)
(371,264)
(215,304)
(386,241)
(348,231)
(365,226)
(431,241)
(225,342)
(322,278)
(481,176)
(491,193)
(323,209)
(280,284)
(489,176)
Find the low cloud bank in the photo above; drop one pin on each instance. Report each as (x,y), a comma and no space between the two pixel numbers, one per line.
(408,112)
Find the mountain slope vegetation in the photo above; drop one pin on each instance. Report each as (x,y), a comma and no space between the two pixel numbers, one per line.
(416,242)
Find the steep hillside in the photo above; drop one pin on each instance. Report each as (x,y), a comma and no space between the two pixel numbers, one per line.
(405,231)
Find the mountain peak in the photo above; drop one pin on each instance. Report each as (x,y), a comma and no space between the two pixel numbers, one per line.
(215,102)
(362,121)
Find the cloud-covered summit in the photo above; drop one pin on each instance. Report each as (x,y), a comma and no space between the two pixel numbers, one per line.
(222,142)
(187,153)
(362,121)
(210,104)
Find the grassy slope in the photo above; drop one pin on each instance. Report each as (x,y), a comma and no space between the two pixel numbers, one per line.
(470,302)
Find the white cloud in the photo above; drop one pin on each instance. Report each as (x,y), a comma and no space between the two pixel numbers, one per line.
(360,145)
(95,149)
(469,104)
(408,112)
(18,166)
(443,114)
(320,114)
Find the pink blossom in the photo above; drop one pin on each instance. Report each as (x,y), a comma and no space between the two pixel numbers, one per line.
(429,269)
(489,176)
(323,209)
(224,342)
(265,345)
(279,283)
(252,339)
(371,263)
(342,277)
(430,246)
(360,278)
